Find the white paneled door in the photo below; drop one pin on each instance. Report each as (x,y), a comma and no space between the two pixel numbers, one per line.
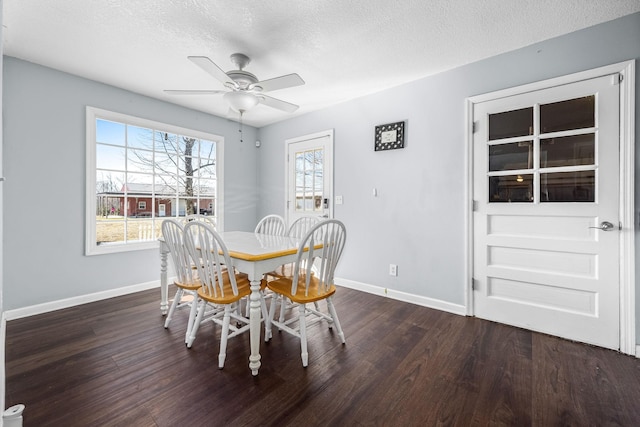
(310,176)
(546,191)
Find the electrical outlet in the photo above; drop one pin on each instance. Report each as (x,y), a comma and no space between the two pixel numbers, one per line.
(393,270)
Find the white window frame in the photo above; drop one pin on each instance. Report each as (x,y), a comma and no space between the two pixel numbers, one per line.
(142,205)
(93,114)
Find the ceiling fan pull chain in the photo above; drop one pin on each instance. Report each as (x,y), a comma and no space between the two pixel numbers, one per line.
(240,129)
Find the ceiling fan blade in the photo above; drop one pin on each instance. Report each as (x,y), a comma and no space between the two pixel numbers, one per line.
(210,67)
(282,82)
(278,103)
(193,92)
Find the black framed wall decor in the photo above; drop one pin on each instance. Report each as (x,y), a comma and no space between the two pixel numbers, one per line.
(389,136)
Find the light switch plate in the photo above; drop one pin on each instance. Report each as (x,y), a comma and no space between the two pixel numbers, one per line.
(338,200)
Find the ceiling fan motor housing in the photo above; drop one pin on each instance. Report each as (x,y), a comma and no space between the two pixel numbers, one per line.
(242,78)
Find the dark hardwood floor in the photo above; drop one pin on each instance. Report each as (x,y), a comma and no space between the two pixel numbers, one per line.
(111,363)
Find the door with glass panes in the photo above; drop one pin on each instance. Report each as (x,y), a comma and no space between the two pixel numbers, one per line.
(310,176)
(546,211)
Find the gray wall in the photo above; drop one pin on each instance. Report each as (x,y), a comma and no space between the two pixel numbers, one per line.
(44,160)
(417,220)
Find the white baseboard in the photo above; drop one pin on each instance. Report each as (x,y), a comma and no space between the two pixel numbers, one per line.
(403,296)
(33,310)
(364,287)
(637,352)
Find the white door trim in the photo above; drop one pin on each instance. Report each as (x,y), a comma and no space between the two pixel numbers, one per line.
(627,189)
(328,165)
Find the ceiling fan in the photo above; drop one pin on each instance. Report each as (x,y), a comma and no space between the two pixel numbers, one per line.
(245,90)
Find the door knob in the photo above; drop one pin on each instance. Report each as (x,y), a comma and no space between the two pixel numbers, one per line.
(605,226)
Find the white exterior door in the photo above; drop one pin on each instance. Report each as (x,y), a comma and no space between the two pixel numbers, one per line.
(162,210)
(309,179)
(546,211)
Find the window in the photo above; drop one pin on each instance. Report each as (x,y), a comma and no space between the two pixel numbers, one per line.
(140,172)
(544,153)
(309,181)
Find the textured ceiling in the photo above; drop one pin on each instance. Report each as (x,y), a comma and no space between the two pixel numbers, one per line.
(342,49)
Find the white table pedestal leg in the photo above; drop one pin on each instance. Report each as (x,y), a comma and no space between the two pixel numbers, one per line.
(254,325)
(164,291)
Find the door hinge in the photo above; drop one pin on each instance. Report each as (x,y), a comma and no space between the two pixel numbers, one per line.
(473,284)
(474,205)
(617,78)
(474,127)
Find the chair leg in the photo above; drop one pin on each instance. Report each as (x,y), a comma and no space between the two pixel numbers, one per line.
(266,317)
(334,316)
(283,307)
(174,304)
(272,311)
(224,336)
(303,335)
(196,323)
(192,315)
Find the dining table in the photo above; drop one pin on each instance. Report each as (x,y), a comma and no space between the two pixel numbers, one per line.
(251,253)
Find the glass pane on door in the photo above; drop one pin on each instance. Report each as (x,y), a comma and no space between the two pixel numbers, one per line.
(571,114)
(511,124)
(511,188)
(568,186)
(567,151)
(518,155)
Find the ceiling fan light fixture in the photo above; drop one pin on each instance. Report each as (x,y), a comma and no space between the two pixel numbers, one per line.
(241,101)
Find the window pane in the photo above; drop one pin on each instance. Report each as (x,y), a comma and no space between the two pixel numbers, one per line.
(139,161)
(187,145)
(108,157)
(566,115)
(567,151)
(511,188)
(109,182)
(207,149)
(206,168)
(143,229)
(138,137)
(165,186)
(166,205)
(109,231)
(205,188)
(188,206)
(318,203)
(318,160)
(511,123)
(568,187)
(110,132)
(165,163)
(518,155)
(166,142)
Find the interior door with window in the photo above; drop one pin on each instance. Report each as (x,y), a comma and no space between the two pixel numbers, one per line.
(310,176)
(546,211)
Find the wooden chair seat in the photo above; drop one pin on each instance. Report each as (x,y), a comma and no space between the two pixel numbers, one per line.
(226,295)
(314,292)
(189,286)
